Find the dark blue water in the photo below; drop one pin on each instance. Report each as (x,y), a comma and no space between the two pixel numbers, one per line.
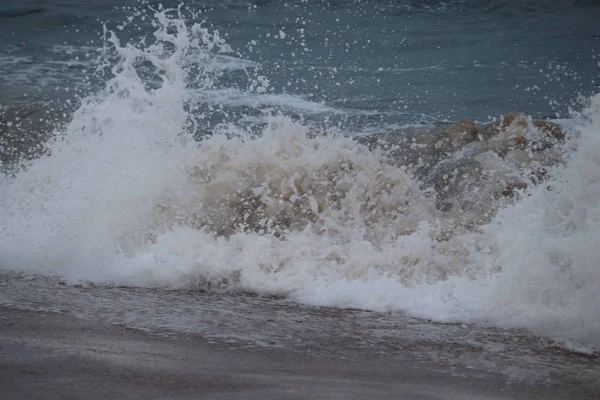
(377,63)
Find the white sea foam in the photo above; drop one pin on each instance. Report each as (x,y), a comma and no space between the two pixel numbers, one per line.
(126,196)
(235,98)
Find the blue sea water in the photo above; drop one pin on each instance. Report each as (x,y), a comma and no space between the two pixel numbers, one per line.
(377,62)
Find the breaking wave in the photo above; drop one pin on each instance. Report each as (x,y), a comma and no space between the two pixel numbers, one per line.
(126,194)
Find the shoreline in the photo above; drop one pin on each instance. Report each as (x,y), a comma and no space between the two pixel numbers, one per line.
(55,356)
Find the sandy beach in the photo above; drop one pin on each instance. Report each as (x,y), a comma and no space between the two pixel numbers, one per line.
(54,356)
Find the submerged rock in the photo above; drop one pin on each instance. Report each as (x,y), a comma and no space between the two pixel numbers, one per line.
(518,121)
(462,133)
(518,131)
(475,169)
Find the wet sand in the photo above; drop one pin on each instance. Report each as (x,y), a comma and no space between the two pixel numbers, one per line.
(47,355)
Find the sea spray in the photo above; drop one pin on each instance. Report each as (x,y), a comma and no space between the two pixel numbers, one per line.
(125,195)
(547,247)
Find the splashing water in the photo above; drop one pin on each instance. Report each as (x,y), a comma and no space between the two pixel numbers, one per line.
(126,195)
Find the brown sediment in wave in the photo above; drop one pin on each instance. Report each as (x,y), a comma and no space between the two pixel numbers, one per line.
(467,170)
(470,164)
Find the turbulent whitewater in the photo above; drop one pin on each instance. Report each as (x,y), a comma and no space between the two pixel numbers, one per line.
(136,190)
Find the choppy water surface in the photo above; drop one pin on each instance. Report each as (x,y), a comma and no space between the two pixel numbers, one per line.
(307,152)
(379,62)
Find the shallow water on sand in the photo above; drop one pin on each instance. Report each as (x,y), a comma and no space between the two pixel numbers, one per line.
(246,321)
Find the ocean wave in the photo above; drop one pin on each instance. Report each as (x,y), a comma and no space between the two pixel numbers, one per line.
(126,195)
